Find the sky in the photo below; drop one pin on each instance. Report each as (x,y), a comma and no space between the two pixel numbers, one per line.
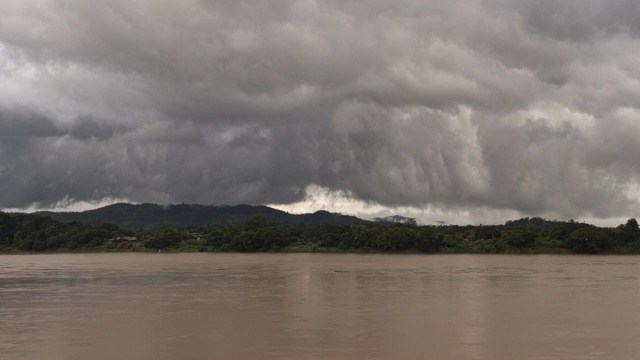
(466,112)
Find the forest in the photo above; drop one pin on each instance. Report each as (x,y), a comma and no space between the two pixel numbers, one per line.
(35,233)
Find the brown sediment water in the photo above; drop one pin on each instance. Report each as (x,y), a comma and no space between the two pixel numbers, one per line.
(318,306)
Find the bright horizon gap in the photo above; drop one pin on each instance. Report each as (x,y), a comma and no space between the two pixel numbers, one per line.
(322,199)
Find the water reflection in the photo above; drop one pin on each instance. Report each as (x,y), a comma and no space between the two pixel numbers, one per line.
(318,306)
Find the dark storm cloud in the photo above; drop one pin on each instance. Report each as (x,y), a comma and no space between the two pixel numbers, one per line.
(526,106)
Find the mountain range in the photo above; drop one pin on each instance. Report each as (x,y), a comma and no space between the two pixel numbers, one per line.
(137,216)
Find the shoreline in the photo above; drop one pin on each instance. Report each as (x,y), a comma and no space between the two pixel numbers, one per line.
(323,251)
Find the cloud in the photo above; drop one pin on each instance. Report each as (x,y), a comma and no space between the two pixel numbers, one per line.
(504,107)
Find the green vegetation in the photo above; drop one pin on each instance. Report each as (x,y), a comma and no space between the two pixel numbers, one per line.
(36,233)
(29,232)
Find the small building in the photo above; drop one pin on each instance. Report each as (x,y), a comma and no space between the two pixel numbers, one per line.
(196,236)
(121,241)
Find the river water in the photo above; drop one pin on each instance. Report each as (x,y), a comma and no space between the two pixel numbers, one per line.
(318,306)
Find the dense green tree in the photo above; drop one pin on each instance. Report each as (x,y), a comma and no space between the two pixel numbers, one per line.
(489,246)
(265,238)
(453,242)
(632,224)
(589,240)
(330,235)
(396,237)
(6,229)
(216,238)
(427,241)
(165,238)
(562,230)
(628,232)
(253,222)
(487,232)
(519,237)
(363,236)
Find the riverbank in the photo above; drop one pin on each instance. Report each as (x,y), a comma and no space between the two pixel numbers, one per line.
(29,233)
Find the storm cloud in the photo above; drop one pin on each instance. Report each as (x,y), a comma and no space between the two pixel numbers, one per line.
(507,107)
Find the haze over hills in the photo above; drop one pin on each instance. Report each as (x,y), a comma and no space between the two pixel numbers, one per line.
(394,219)
(136,216)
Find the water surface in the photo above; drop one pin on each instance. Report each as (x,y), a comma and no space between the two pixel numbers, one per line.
(318,306)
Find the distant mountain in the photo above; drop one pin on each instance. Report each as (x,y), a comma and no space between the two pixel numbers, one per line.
(130,216)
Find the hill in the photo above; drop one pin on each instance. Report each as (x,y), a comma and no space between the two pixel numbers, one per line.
(132,217)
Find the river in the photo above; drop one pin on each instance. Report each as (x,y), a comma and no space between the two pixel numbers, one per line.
(318,306)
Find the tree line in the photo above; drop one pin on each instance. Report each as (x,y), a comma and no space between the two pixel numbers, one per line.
(28,232)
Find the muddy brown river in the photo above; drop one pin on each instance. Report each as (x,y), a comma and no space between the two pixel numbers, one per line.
(318,306)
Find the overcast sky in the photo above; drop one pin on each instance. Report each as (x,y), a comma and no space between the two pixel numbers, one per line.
(474,111)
